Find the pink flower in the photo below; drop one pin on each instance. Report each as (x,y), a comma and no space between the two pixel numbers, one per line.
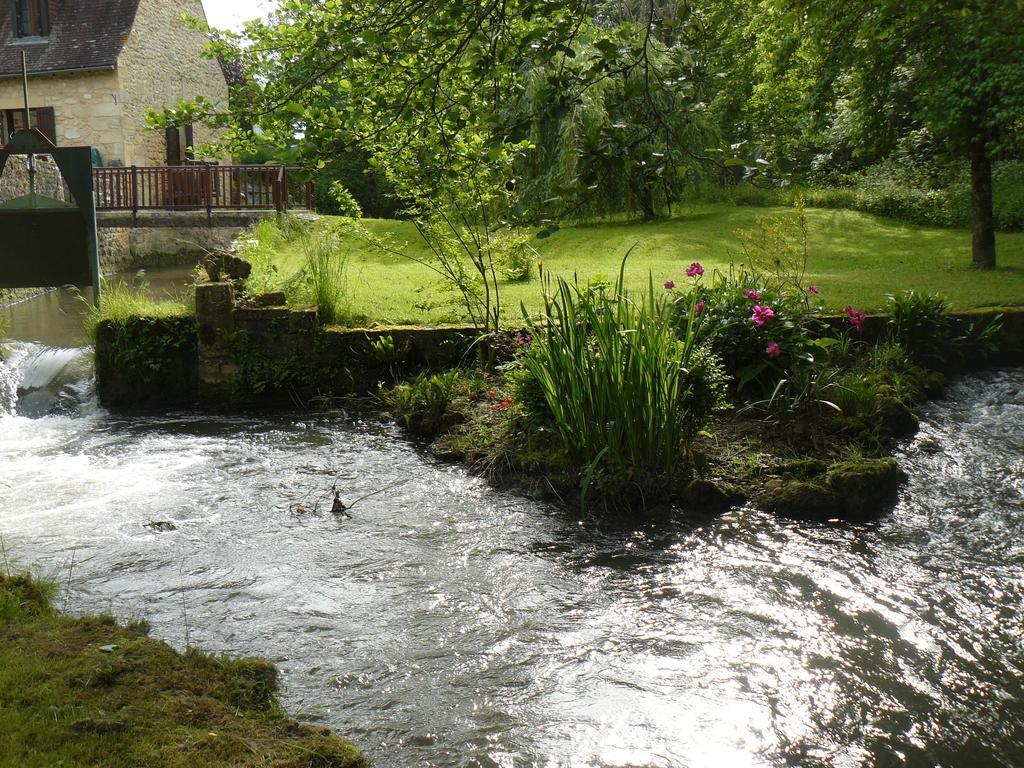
(773,349)
(762,315)
(698,308)
(813,290)
(669,285)
(856,317)
(695,270)
(753,295)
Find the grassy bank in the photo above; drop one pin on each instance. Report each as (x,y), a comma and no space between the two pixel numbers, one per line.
(88,692)
(855,258)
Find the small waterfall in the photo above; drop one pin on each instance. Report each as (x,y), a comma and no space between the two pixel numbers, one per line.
(37,381)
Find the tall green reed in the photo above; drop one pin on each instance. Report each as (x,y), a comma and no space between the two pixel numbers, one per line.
(614,373)
(324,272)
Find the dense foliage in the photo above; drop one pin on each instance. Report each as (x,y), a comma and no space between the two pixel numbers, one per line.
(495,115)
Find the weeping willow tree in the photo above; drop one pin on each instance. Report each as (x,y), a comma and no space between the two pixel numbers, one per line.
(632,141)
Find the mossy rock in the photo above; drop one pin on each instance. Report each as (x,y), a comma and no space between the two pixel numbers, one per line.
(707,495)
(896,419)
(866,486)
(802,468)
(933,385)
(801,498)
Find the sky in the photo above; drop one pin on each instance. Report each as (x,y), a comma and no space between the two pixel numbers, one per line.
(231,13)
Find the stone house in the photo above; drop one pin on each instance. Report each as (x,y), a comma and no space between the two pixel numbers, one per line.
(96,66)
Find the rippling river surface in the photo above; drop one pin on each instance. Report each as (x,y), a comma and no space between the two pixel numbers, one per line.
(449,624)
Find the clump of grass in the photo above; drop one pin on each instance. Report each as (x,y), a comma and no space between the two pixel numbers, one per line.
(323,277)
(120,303)
(259,246)
(421,404)
(23,597)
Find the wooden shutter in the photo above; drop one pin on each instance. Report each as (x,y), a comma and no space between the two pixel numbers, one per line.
(173,146)
(44,18)
(46,122)
(190,142)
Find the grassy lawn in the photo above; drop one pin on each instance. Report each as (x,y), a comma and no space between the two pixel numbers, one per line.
(856,259)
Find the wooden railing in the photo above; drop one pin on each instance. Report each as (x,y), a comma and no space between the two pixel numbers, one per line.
(201,187)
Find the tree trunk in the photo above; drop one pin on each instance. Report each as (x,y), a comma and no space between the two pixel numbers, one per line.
(983,233)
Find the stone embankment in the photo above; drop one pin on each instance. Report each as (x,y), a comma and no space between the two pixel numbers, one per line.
(246,354)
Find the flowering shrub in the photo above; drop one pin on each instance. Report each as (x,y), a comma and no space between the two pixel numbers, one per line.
(856,318)
(760,333)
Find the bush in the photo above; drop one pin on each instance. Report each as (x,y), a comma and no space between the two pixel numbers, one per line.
(926,194)
(758,324)
(513,256)
(351,169)
(421,405)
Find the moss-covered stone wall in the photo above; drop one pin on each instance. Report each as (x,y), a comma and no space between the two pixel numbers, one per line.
(239,356)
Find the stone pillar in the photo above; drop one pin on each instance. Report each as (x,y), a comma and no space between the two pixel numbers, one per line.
(215,321)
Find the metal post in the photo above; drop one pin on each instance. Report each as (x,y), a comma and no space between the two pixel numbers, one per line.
(24,87)
(209,195)
(28,123)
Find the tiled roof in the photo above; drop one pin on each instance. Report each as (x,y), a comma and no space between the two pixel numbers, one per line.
(84,35)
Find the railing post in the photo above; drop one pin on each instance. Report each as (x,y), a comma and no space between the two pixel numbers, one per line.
(284,187)
(209,195)
(275,189)
(310,196)
(135,195)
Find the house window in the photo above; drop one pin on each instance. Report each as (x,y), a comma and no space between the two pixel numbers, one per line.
(32,18)
(43,118)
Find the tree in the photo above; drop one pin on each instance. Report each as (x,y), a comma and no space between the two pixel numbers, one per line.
(431,92)
(955,67)
(630,141)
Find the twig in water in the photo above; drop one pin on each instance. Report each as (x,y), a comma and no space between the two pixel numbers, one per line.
(3,550)
(184,605)
(67,587)
(395,484)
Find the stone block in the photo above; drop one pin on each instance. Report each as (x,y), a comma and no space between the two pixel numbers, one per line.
(303,321)
(214,307)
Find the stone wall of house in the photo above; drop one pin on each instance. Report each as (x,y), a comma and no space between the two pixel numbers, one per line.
(14,182)
(160,64)
(86,107)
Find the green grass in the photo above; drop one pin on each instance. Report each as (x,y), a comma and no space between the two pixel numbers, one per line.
(856,259)
(83,692)
(121,303)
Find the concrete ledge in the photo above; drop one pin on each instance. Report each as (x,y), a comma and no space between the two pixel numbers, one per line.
(179,219)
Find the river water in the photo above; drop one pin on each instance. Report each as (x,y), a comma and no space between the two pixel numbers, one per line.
(450,624)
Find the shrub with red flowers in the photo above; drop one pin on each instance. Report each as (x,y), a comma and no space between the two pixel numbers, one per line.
(759,332)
